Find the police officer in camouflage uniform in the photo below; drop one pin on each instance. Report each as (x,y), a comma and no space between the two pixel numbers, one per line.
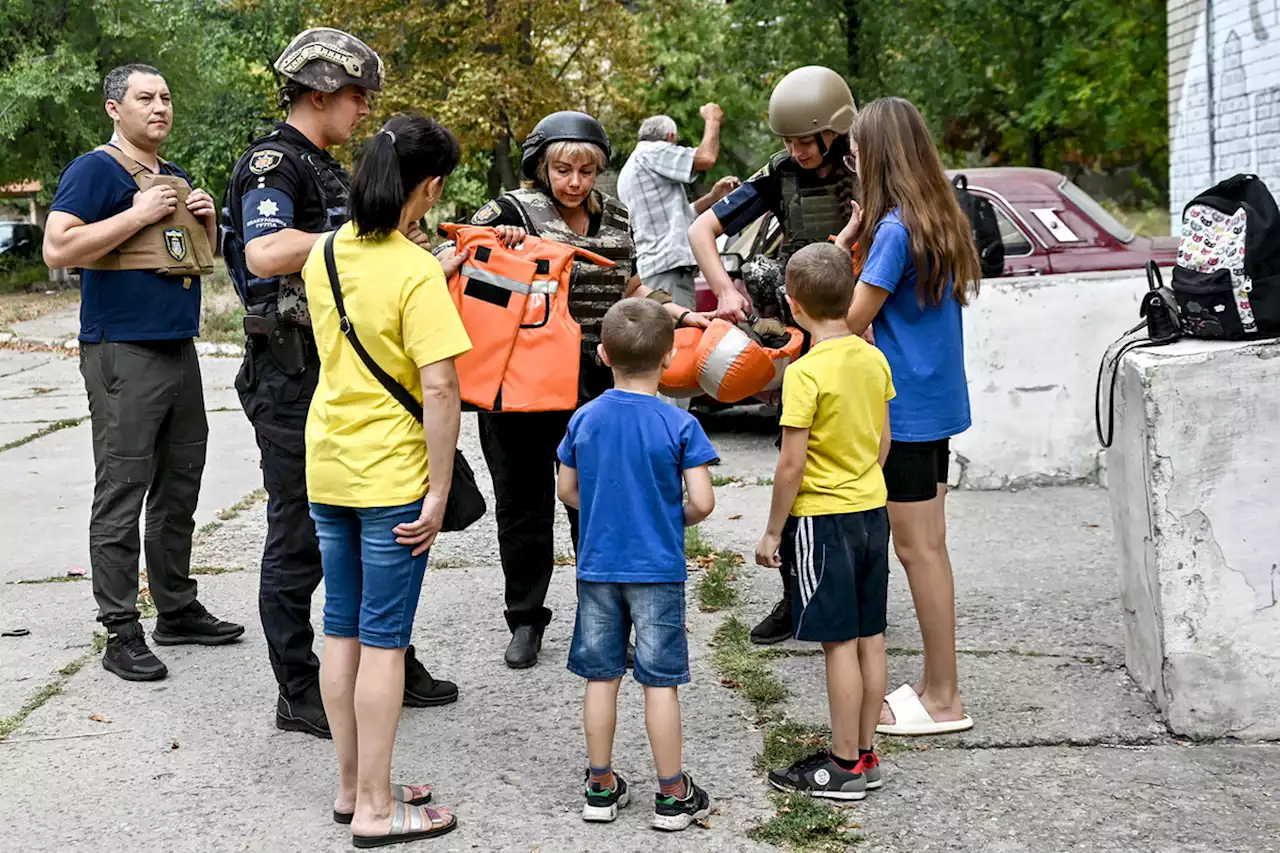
(810,187)
(285,192)
(560,161)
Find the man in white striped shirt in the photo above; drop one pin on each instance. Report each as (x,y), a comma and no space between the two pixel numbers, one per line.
(652,186)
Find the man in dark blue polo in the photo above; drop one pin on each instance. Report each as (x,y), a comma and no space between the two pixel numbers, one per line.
(141,251)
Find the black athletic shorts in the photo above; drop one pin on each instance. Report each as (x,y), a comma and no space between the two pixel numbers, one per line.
(915,468)
(838,569)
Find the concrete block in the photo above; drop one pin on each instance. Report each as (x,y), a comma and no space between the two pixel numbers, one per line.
(1193,478)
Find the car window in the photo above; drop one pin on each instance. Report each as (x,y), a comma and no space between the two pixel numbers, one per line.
(1095,211)
(7,234)
(1015,242)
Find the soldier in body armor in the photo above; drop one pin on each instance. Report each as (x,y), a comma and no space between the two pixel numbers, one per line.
(284,193)
(810,189)
(559,163)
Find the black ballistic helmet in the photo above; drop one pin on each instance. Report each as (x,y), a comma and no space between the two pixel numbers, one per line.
(566,126)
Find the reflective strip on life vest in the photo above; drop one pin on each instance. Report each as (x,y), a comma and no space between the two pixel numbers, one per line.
(496,280)
(716,365)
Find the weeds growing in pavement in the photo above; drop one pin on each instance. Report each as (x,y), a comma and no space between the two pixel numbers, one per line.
(723,480)
(715,587)
(804,825)
(744,667)
(694,545)
(10,723)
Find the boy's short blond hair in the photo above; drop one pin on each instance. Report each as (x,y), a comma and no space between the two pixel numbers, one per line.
(637,334)
(820,279)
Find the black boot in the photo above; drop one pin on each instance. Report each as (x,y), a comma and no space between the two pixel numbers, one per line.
(420,689)
(128,656)
(775,627)
(522,651)
(303,713)
(194,624)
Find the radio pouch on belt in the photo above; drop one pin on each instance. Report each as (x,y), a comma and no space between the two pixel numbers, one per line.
(526,349)
(177,245)
(465,504)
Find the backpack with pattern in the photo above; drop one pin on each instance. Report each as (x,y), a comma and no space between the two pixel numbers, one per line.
(1227,278)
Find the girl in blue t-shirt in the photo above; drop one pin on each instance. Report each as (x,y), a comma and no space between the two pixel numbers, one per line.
(918,268)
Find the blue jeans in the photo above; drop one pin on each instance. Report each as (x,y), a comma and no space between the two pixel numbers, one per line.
(606,612)
(371,583)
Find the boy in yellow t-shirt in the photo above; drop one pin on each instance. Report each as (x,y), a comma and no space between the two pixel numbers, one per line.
(828,524)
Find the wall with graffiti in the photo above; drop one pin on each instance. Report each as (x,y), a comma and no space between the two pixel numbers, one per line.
(1224,83)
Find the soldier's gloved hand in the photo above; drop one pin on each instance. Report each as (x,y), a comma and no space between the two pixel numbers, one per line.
(155,204)
(510,235)
(200,203)
(452,260)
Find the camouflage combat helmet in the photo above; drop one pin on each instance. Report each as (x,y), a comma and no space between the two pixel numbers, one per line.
(810,100)
(325,59)
(566,126)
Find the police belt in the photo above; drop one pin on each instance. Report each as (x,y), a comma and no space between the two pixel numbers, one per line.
(288,343)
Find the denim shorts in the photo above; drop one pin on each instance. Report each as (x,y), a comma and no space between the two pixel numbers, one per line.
(606,612)
(371,583)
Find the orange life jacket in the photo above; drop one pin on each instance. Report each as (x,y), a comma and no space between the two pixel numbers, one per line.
(725,363)
(514,303)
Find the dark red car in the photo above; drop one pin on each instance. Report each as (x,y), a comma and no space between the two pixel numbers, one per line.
(1048,224)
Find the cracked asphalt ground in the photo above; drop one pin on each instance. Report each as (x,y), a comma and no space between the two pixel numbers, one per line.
(1066,753)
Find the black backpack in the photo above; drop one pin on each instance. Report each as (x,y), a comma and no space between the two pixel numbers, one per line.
(985,227)
(1227,278)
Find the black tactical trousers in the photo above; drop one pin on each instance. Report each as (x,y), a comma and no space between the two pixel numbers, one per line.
(146,404)
(276,405)
(520,450)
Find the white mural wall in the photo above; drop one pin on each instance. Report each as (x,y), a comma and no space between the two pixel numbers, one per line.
(1232,88)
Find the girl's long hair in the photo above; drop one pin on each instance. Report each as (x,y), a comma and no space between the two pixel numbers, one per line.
(407,151)
(900,167)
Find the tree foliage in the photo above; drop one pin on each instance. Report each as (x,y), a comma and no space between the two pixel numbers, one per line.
(1062,83)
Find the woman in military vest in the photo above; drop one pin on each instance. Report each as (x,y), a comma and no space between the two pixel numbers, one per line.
(559,163)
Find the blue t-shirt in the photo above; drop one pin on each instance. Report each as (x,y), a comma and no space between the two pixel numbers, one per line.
(630,451)
(123,305)
(924,344)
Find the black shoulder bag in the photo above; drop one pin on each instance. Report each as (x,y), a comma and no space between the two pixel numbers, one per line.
(465,505)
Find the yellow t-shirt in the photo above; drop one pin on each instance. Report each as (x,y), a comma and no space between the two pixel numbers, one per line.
(363,448)
(838,391)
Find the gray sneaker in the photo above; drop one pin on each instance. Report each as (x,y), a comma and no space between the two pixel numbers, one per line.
(869,766)
(819,776)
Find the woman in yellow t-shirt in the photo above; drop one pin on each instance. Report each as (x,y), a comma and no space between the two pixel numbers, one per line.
(376,478)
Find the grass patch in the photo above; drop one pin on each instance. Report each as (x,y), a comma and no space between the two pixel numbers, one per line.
(805,825)
(99,642)
(10,723)
(565,558)
(764,481)
(214,570)
(721,480)
(221,315)
(256,496)
(65,423)
(786,742)
(743,667)
(20,306)
(38,391)
(694,545)
(56,579)
(715,587)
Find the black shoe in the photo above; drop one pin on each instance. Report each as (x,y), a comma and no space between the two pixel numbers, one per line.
(194,624)
(603,803)
(819,776)
(775,627)
(522,651)
(128,656)
(420,689)
(303,713)
(673,815)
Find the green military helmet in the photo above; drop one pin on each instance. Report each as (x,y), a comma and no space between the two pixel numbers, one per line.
(325,59)
(810,100)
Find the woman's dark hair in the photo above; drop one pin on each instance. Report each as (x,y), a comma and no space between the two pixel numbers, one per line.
(407,151)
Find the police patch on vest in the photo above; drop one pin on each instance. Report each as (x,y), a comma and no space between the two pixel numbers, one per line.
(264,161)
(175,243)
(487,214)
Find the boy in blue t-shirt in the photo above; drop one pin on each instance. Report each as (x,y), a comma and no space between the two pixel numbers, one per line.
(623,461)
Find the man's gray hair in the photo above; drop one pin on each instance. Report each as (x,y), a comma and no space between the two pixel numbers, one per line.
(116,84)
(657,128)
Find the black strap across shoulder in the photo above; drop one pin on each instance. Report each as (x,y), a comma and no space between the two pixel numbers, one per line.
(394,388)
